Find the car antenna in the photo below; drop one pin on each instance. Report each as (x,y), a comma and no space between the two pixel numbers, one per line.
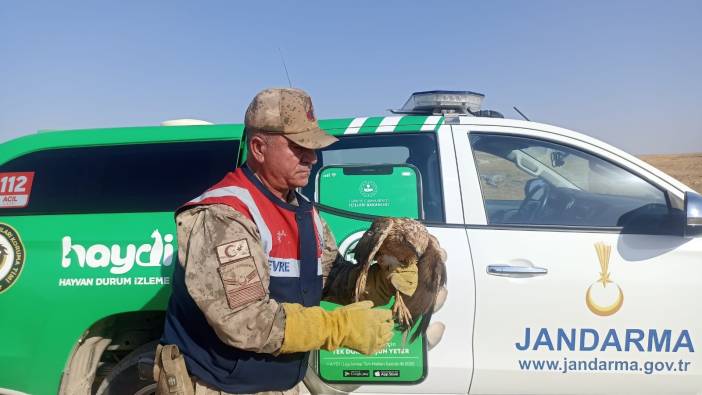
(285,67)
(520,113)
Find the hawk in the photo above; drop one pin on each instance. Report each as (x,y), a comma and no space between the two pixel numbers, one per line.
(400,242)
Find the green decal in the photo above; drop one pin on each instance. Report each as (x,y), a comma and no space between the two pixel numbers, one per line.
(77,270)
(410,124)
(371,125)
(333,125)
(382,190)
(399,362)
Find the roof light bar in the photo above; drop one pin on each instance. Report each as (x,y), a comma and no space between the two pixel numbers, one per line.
(442,102)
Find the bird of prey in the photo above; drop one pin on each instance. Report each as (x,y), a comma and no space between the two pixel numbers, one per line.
(399,242)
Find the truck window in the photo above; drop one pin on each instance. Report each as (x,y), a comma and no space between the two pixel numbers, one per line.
(536,182)
(121,178)
(417,149)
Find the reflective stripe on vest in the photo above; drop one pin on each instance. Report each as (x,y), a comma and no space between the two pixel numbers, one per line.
(245,197)
(274,263)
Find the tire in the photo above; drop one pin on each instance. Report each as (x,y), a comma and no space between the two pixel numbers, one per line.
(132,374)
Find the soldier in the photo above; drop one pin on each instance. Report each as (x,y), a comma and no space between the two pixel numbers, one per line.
(253,257)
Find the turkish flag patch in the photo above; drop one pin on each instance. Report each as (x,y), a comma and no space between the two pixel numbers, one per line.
(233,251)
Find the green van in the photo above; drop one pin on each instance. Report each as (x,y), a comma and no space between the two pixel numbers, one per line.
(94,242)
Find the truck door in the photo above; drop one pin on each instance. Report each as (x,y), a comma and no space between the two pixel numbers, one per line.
(430,156)
(583,282)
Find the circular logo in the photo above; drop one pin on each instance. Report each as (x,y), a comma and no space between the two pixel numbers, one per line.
(346,247)
(11,256)
(368,188)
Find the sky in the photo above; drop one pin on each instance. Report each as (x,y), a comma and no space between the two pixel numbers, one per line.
(626,72)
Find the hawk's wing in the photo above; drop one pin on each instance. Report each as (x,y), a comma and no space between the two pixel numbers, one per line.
(368,246)
(370,243)
(432,276)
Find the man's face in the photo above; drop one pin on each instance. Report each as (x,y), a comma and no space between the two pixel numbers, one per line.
(286,164)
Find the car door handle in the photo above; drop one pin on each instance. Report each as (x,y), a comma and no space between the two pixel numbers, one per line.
(516,271)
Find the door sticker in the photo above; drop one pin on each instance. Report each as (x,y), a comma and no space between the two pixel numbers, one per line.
(611,347)
(381,190)
(347,246)
(599,298)
(15,189)
(11,256)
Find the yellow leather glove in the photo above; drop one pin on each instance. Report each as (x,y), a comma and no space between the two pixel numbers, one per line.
(355,326)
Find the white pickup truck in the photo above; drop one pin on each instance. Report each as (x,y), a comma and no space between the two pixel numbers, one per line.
(573,267)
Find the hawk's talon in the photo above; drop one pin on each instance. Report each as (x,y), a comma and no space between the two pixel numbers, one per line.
(401,312)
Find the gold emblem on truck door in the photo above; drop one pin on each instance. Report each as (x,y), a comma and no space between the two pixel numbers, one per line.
(599,298)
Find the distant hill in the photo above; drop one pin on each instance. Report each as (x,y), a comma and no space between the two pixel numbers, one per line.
(685,167)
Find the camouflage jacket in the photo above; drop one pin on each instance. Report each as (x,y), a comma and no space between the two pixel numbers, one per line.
(258,325)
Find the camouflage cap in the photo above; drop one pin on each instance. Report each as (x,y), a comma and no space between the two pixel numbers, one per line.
(289,112)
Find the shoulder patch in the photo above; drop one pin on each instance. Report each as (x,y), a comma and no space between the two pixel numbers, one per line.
(233,251)
(242,283)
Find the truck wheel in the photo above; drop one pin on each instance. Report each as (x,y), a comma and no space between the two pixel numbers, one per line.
(132,374)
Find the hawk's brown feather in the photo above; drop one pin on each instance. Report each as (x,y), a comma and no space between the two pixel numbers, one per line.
(408,241)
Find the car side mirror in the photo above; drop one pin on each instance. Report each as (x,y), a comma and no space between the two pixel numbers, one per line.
(693,214)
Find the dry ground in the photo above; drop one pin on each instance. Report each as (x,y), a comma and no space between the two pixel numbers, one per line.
(685,167)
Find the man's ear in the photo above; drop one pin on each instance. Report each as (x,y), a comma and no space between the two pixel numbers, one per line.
(257,148)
